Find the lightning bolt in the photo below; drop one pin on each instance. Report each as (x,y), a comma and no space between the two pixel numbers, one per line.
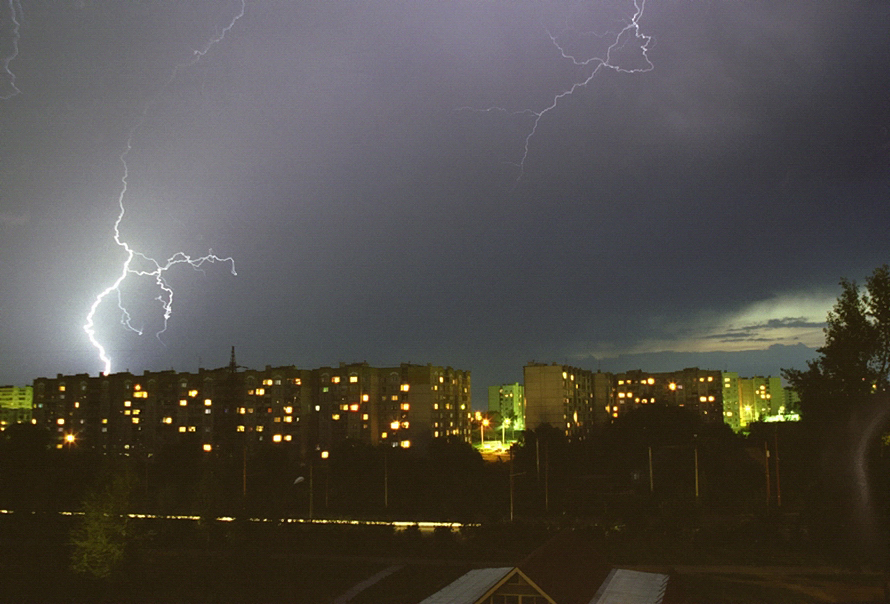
(631,32)
(138,264)
(15,11)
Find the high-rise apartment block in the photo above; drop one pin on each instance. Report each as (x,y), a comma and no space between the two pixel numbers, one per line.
(574,399)
(228,409)
(508,400)
(565,397)
(747,400)
(15,405)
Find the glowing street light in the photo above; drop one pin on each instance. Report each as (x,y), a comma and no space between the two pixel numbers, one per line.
(482,426)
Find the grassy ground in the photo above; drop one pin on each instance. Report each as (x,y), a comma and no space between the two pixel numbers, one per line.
(228,562)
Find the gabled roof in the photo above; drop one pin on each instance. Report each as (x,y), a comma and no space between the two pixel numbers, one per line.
(477,586)
(569,567)
(470,587)
(631,587)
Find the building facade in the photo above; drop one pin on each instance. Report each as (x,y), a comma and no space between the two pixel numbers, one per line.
(231,410)
(508,400)
(565,397)
(699,390)
(15,405)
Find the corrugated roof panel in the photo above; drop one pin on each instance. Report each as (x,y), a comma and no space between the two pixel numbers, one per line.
(468,588)
(631,587)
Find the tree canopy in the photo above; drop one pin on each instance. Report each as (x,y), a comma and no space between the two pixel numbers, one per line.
(854,363)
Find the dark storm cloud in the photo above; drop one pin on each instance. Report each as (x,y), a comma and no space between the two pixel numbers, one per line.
(328,147)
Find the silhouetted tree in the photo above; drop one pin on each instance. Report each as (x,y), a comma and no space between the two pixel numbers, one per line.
(855,361)
(100,540)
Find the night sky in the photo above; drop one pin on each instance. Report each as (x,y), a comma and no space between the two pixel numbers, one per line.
(364,164)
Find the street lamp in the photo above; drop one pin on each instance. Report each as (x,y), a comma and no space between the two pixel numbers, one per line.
(482,427)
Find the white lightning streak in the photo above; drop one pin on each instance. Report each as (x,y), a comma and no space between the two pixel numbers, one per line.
(155,269)
(631,31)
(15,49)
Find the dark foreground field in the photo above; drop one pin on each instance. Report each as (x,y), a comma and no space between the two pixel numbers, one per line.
(183,561)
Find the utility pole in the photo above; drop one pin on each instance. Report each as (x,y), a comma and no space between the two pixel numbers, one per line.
(651,477)
(766,465)
(547,477)
(778,482)
(311,510)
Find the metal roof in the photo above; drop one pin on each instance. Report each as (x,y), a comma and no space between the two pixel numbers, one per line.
(470,587)
(631,587)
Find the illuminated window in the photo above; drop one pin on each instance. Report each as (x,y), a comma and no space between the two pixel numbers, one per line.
(325,454)
(182,428)
(137,387)
(364,417)
(353,379)
(267,382)
(76,405)
(365,398)
(710,378)
(168,420)
(383,435)
(239,429)
(61,387)
(405,444)
(288,437)
(127,403)
(406,406)
(441,379)
(344,407)
(318,407)
(672,386)
(406,387)
(392,426)
(260,391)
(192,429)
(208,448)
(259,428)
(436,434)
(207,402)
(288,410)
(405,425)
(183,402)
(701,379)
(621,382)
(710,399)
(395,397)
(135,420)
(60,421)
(276,438)
(702,399)
(353,407)
(435,406)
(335,417)
(288,419)
(298,382)
(193,393)
(207,411)
(335,379)
(650,381)
(104,420)
(325,389)
(621,395)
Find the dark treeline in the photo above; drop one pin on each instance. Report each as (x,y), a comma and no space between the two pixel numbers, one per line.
(658,472)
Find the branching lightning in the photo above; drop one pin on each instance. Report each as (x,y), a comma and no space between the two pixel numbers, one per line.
(15,12)
(145,265)
(631,32)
